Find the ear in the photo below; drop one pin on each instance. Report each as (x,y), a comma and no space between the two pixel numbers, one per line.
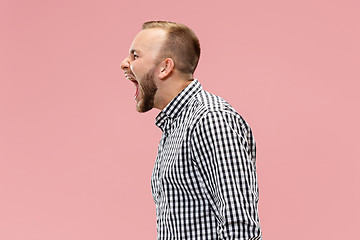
(166,67)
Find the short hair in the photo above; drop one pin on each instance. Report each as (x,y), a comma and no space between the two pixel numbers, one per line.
(181,45)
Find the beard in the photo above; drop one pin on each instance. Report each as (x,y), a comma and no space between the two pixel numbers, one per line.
(148,90)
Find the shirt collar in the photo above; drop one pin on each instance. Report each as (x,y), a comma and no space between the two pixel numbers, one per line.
(178,103)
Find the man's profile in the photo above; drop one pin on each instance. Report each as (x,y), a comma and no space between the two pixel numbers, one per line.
(204,181)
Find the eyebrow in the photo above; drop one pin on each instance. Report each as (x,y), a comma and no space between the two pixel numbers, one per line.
(132,51)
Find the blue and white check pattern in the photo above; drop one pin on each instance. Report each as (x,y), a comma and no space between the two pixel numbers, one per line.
(204,180)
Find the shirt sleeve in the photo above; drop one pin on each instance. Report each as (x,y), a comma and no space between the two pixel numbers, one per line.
(223,152)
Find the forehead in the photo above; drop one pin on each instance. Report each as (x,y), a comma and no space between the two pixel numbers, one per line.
(148,41)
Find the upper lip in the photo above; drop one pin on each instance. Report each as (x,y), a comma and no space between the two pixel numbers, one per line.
(130,77)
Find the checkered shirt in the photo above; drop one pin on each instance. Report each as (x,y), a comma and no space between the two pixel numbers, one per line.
(204,180)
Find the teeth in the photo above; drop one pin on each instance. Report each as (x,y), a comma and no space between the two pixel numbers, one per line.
(131,78)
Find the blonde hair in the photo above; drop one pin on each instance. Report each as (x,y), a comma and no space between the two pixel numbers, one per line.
(181,45)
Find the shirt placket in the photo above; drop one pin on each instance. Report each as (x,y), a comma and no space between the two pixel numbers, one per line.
(157,175)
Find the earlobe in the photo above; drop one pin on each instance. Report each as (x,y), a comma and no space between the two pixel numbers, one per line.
(167,68)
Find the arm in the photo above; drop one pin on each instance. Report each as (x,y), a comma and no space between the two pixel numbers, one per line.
(223,151)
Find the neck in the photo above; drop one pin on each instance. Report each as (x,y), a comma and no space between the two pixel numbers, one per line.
(169,89)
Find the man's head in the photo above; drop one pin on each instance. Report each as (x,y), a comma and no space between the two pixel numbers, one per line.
(160,52)
(181,45)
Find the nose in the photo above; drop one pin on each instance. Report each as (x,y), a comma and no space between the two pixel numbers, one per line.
(125,64)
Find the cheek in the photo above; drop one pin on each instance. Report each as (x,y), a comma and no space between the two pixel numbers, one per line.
(136,70)
(132,68)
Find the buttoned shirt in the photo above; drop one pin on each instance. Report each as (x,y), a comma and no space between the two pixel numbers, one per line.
(204,181)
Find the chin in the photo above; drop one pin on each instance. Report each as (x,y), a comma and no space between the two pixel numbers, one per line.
(142,109)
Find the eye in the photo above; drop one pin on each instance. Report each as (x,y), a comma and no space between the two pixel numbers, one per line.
(135,56)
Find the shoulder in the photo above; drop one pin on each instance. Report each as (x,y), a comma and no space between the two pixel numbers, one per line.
(215,112)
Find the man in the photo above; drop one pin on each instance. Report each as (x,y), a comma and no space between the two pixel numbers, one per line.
(204,180)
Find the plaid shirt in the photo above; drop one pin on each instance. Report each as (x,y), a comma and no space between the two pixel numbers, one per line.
(204,180)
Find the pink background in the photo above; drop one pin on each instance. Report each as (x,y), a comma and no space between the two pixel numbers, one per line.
(76,158)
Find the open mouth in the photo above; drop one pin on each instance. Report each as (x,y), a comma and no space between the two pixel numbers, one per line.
(136,83)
